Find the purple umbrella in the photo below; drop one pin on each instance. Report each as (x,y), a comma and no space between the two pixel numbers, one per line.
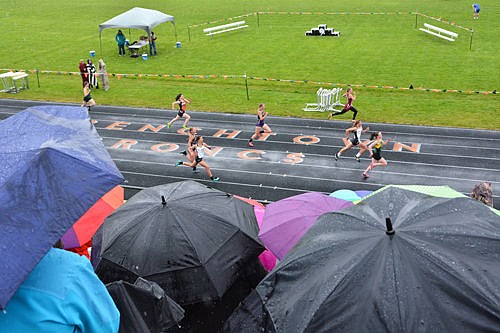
(287,220)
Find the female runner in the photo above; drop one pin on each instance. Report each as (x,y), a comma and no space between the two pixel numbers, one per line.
(376,149)
(182,102)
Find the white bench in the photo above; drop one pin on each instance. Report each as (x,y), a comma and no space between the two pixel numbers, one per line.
(439,32)
(224,28)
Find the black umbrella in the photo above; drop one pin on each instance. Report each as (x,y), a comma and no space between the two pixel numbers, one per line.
(144,307)
(191,239)
(398,261)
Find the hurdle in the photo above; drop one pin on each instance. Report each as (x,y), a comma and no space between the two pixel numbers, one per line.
(327,100)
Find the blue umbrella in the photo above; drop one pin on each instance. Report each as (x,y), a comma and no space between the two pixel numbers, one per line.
(53,168)
(348,195)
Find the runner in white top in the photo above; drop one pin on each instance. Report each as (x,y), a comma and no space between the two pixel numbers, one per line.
(355,141)
(200,153)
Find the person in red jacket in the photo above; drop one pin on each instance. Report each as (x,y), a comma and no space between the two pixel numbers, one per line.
(83,72)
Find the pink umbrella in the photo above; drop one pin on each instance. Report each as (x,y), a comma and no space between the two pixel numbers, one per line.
(287,220)
(267,258)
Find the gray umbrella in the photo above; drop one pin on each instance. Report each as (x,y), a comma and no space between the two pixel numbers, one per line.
(194,241)
(144,307)
(399,261)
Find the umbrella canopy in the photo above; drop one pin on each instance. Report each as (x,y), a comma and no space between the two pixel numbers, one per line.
(287,220)
(190,239)
(267,258)
(54,168)
(82,231)
(144,307)
(348,195)
(363,193)
(399,261)
(435,191)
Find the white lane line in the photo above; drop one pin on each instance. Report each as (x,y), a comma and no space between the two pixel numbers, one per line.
(383,172)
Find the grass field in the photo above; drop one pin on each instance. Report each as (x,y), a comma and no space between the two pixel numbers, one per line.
(380,50)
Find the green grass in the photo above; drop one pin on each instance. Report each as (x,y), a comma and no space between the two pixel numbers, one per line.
(372,50)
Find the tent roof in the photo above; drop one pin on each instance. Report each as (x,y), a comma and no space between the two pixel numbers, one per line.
(137,18)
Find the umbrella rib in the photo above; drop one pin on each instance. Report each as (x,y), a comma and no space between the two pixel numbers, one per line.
(396,292)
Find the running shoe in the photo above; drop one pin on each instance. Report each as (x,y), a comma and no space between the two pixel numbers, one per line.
(196,170)
(214,179)
(168,125)
(357,159)
(365,175)
(336,156)
(183,153)
(185,127)
(179,162)
(250,144)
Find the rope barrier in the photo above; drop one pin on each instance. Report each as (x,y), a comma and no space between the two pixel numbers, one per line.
(444,21)
(256,78)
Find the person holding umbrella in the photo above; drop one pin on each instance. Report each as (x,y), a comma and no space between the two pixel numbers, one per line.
(375,147)
(200,154)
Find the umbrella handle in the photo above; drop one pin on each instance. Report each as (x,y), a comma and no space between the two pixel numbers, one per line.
(388,225)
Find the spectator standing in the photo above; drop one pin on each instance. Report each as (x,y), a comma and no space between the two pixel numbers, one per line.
(103,74)
(120,40)
(476,9)
(83,72)
(91,70)
(62,294)
(152,44)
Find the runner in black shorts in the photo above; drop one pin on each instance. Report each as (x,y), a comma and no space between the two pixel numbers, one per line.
(190,151)
(200,153)
(351,96)
(355,141)
(182,102)
(375,148)
(88,101)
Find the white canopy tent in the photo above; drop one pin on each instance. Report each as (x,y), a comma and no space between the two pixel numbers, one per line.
(137,18)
